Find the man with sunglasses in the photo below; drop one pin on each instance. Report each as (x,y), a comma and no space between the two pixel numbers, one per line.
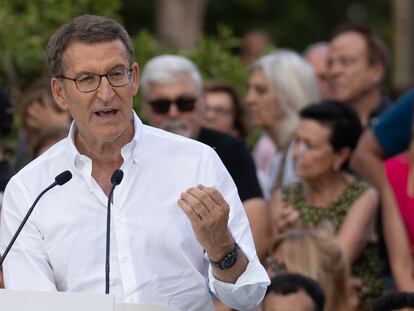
(178,228)
(171,89)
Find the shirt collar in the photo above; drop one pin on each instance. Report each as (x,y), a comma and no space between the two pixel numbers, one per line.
(131,149)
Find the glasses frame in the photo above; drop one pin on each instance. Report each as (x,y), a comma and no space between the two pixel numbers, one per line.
(129,74)
(219,111)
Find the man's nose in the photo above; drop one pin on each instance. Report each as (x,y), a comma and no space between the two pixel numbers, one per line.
(105,90)
(250,97)
(334,68)
(173,111)
(209,113)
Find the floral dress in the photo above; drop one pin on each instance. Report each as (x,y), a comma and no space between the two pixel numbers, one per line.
(367,266)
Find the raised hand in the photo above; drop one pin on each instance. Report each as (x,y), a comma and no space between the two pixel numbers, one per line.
(282,215)
(209,215)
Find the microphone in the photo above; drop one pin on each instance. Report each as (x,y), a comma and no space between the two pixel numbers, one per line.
(116,179)
(60,180)
(63,178)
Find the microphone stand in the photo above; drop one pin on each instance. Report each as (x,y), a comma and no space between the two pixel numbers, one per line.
(61,179)
(115,180)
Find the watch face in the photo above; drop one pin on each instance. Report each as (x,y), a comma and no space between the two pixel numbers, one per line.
(229,262)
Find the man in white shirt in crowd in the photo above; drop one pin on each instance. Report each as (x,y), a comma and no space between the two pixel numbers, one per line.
(179,228)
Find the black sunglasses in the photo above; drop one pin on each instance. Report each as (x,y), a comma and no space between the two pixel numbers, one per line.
(183,103)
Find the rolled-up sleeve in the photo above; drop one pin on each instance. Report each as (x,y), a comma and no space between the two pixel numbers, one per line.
(247,292)
(249,289)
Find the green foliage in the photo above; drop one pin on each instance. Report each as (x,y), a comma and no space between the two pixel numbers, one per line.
(27,27)
(213,56)
(296,24)
(147,46)
(215,59)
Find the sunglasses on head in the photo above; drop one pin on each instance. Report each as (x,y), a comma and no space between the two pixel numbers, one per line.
(183,103)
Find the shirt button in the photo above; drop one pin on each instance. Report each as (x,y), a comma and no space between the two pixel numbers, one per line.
(124,259)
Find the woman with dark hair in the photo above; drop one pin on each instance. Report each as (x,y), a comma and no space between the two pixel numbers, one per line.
(223,109)
(394,301)
(326,136)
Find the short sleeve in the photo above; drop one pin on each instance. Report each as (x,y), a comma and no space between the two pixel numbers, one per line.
(393,129)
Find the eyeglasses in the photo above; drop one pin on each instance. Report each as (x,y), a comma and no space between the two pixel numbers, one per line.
(221,111)
(183,103)
(90,82)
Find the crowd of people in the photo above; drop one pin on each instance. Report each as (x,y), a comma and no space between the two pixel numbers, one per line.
(321,202)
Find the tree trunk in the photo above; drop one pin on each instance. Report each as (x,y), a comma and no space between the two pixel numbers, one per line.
(12,78)
(179,22)
(403,43)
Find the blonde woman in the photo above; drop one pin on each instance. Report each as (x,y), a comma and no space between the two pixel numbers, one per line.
(316,253)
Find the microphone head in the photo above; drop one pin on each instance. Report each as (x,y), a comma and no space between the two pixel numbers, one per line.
(63,178)
(117,177)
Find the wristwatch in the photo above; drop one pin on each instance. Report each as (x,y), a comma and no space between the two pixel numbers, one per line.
(229,260)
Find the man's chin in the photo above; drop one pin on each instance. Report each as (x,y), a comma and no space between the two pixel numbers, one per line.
(179,129)
(341,95)
(185,133)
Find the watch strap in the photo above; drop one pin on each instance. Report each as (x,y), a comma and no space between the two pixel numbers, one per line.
(229,260)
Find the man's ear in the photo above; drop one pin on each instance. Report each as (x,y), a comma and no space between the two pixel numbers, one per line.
(377,73)
(58,93)
(343,155)
(135,78)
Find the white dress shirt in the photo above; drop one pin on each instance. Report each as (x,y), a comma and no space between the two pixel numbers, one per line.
(155,257)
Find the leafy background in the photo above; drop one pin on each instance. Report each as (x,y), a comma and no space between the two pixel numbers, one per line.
(28,24)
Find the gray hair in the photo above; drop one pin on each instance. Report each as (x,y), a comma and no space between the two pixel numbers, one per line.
(294,82)
(321,45)
(167,69)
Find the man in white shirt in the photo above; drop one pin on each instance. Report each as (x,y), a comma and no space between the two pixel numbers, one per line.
(172,238)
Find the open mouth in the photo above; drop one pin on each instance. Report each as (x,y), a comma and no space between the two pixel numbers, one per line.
(107,113)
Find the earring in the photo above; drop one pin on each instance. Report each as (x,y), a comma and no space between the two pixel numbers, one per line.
(336,168)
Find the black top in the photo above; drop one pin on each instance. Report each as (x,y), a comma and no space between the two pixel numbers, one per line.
(236,158)
(383,106)
(5,174)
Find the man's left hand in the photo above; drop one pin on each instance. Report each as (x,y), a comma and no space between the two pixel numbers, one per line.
(209,215)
